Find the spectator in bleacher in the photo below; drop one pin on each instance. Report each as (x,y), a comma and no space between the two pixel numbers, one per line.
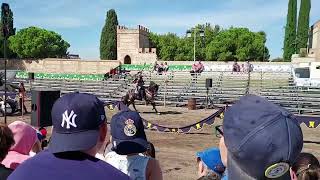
(79,131)
(6,141)
(249,66)
(262,139)
(22,96)
(160,69)
(129,141)
(242,68)
(25,137)
(209,163)
(235,67)
(155,66)
(306,167)
(165,67)
(113,72)
(197,67)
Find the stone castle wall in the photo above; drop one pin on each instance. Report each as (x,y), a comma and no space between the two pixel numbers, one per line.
(314,41)
(135,45)
(52,65)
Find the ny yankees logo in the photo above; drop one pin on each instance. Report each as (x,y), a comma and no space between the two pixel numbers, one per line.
(66,119)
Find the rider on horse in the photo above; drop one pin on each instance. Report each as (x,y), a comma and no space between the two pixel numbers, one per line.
(139,83)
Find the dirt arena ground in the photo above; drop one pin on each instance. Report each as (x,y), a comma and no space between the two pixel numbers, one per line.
(176,152)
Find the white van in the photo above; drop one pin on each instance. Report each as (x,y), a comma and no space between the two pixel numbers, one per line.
(307,74)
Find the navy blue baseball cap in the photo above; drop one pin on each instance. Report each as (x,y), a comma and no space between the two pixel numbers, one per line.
(263,140)
(76,118)
(127,131)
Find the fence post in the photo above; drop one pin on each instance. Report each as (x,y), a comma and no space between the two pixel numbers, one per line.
(261,79)
(165,92)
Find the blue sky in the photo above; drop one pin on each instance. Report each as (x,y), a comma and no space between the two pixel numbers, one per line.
(80,21)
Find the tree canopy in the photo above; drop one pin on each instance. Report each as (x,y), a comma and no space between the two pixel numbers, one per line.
(290,43)
(33,42)
(303,24)
(11,32)
(108,40)
(238,44)
(217,45)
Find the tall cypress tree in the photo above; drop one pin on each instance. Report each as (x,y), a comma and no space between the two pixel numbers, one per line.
(12,31)
(290,34)
(108,40)
(303,24)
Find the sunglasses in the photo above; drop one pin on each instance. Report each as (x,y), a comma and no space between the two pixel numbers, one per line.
(219,131)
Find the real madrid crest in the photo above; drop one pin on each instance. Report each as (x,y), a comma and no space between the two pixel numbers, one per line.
(277,170)
(130,129)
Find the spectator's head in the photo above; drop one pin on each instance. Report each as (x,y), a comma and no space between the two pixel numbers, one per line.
(21,84)
(79,124)
(151,150)
(25,136)
(6,141)
(263,140)
(165,63)
(209,162)
(307,167)
(127,132)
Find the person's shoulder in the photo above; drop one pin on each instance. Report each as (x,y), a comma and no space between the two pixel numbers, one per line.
(153,169)
(44,163)
(30,166)
(110,172)
(152,163)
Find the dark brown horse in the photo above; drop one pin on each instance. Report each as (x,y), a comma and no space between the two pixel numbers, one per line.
(149,94)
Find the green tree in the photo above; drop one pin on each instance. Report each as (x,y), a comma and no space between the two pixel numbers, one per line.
(35,42)
(171,47)
(12,31)
(238,44)
(108,40)
(290,42)
(303,24)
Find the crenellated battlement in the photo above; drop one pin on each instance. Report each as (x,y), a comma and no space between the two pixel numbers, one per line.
(133,45)
(122,27)
(142,28)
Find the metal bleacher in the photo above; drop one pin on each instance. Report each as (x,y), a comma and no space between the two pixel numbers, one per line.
(177,87)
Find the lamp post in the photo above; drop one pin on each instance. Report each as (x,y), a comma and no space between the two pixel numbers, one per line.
(195,32)
(5,30)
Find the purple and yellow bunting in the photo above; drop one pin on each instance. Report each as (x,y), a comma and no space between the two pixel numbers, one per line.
(309,121)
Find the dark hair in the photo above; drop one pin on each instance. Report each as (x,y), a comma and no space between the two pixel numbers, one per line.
(6,140)
(307,167)
(151,150)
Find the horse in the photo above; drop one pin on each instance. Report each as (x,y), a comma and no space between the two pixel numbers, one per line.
(149,94)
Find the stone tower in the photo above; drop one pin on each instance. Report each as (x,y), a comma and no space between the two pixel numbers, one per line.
(314,41)
(133,46)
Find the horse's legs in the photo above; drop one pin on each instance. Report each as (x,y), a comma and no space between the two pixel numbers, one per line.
(154,107)
(134,106)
